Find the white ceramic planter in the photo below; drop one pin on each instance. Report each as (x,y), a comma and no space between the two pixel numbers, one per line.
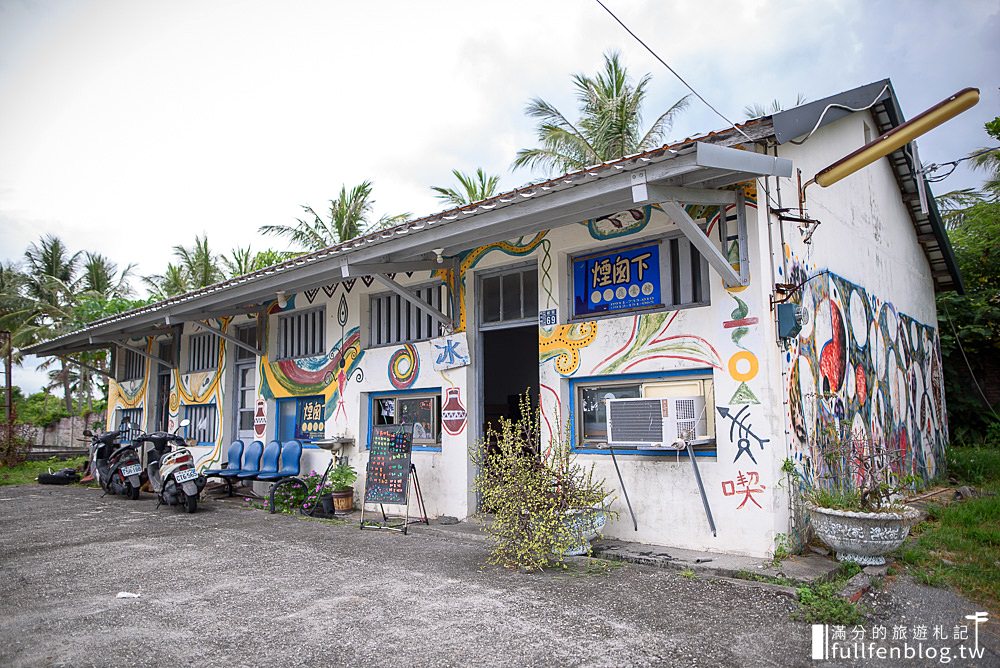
(586,524)
(864,538)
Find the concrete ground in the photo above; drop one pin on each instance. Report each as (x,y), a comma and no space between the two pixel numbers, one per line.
(233,586)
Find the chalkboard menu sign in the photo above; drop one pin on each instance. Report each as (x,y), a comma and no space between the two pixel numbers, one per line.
(388,477)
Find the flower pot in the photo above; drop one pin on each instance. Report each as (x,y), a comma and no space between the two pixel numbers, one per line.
(343,501)
(864,538)
(327,500)
(586,524)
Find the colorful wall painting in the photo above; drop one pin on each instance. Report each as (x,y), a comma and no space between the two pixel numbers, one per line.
(741,432)
(861,370)
(453,413)
(469,259)
(404,367)
(563,343)
(260,419)
(652,337)
(450,352)
(619,224)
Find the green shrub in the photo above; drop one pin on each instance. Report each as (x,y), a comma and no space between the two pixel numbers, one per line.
(530,491)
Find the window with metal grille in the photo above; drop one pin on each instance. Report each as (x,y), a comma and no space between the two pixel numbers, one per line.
(133,365)
(395,320)
(509,297)
(129,423)
(203,352)
(202,427)
(246,334)
(302,334)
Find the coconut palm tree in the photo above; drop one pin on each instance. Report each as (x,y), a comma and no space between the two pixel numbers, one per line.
(101,276)
(242,261)
(609,124)
(199,264)
(472,188)
(756,110)
(350,216)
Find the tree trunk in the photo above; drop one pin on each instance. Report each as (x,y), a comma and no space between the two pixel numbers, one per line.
(66,390)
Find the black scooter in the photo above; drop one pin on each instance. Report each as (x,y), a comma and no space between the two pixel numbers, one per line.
(116,467)
(171,469)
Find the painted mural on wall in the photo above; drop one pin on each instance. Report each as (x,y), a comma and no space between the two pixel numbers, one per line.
(404,367)
(861,370)
(469,259)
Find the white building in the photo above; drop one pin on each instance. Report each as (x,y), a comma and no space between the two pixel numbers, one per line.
(652,276)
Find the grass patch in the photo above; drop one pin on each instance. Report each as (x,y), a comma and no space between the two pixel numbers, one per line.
(820,603)
(26,473)
(959,544)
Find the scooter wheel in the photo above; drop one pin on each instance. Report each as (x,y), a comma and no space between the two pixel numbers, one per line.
(192,504)
(132,492)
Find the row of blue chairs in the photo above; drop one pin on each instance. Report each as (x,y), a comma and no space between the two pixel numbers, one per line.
(256,462)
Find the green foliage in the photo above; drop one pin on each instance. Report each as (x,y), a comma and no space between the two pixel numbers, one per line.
(26,473)
(289,499)
(689,574)
(473,188)
(860,475)
(41,409)
(529,492)
(782,548)
(958,544)
(609,123)
(350,215)
(342,477)
(970,327)
(821,603)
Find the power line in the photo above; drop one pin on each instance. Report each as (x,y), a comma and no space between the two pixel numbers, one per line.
(673,71)
(933,167)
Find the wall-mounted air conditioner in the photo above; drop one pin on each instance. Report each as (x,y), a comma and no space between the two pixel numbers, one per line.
(656,423)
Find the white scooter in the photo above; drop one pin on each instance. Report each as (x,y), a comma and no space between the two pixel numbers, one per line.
(171,470)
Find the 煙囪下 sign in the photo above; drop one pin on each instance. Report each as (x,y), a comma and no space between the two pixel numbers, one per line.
(388,472)
(615,280)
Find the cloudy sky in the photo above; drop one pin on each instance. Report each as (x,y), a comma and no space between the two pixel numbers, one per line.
(128,127)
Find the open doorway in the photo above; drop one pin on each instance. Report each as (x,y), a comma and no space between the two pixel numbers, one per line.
(510,367)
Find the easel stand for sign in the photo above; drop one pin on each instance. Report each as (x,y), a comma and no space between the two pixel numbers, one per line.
(397,526)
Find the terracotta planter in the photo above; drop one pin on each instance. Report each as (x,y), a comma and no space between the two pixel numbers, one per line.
(343,501)
(864,538)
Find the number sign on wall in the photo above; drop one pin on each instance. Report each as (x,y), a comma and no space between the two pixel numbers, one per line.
(388,477)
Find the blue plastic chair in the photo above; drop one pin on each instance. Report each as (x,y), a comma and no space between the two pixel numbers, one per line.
(268,463)
(234,459)
(291,460)
(251,462)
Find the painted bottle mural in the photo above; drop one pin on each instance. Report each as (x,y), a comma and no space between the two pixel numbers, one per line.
(260,418)
(453,412)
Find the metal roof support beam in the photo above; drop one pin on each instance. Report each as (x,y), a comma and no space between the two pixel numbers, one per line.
(70,360)
(229,337)
(138,351)
(416,301)
(371,269)
(704,245)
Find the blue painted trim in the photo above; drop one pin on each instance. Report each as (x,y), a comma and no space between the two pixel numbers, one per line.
(277,422)
(649,375)
(372,396)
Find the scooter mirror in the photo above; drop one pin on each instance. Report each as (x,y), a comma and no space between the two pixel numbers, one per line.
(87,432)
(185,422)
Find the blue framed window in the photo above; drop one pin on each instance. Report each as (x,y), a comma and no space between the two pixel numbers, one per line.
(588,409)
(301,418)
(421,408)
(130,422)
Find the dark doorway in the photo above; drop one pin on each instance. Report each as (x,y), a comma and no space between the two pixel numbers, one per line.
(510,367)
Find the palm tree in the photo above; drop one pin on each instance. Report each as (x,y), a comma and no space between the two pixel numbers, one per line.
(242,261)
(473,188)
(199,264)
(609,126)
(756,110)
(350,216)
(101,276)
(51,270)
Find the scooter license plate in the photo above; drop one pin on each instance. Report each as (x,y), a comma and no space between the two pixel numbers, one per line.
(134,469)
(185,475)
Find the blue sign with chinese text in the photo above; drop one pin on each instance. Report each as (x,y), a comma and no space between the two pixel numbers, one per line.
(618,280)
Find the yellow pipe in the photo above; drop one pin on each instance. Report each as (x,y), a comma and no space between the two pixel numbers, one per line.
(899,136)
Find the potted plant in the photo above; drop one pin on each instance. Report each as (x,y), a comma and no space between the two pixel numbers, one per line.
(341,480)
(853,503)
(545,506)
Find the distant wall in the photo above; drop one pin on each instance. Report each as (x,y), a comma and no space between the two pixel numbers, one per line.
(65,432)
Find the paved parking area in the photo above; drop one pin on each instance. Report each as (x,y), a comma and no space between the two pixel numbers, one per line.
(232,586)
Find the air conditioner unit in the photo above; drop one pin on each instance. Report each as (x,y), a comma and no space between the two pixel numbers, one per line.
(656,423)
